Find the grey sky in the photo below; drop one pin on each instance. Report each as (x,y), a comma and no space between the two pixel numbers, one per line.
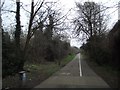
(66,4)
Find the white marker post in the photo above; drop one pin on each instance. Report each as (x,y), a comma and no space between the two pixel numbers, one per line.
(80,69)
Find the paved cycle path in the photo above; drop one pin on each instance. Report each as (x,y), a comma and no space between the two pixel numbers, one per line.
(76,74)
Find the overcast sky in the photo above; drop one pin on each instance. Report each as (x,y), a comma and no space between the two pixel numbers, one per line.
(66,4)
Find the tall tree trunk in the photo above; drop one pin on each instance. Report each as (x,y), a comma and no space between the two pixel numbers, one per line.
(18,26)
(17,36)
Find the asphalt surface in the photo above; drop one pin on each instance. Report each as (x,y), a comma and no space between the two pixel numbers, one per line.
(71,76)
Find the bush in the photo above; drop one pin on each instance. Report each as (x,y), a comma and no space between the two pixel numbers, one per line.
(10,63)
(97,51)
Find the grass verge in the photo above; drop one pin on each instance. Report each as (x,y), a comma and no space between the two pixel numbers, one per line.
(67,59)
(108,74)
(37,73)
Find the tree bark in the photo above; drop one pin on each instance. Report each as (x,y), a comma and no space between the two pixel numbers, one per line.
(17,37)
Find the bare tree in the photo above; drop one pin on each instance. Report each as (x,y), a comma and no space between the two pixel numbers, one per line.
(34,10)
(50,18)
(32,16)
(90,19)
(50,21)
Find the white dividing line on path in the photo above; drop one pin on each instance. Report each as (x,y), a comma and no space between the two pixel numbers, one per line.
(80,69)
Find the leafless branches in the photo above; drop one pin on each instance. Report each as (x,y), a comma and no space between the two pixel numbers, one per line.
(90,19)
